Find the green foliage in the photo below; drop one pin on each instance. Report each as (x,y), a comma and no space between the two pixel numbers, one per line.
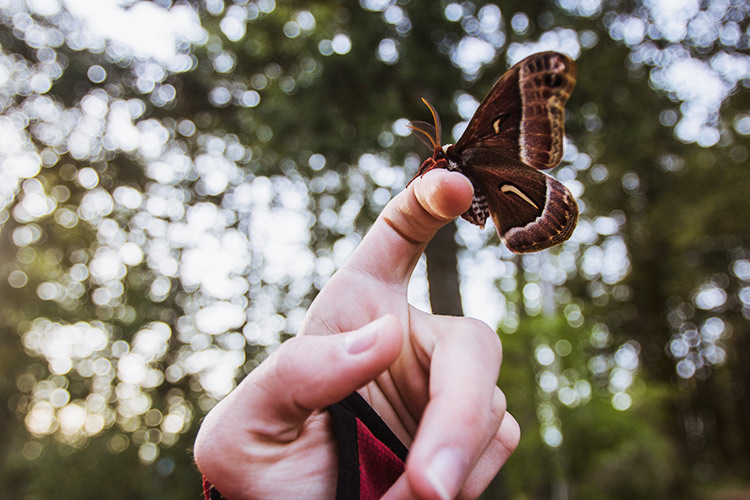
(604,452)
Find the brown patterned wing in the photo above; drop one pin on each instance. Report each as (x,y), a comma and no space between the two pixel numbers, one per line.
(531,210)
(523,116)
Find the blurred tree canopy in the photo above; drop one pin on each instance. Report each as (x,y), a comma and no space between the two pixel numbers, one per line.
(178,179)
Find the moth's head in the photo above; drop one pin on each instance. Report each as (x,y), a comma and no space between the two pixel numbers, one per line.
(443,153)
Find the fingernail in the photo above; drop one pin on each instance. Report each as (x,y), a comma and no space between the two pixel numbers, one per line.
(446,470)
(362,339)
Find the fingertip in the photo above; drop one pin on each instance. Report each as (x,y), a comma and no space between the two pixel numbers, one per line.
(392,334)
(392,327)
(443,193)
(385,333)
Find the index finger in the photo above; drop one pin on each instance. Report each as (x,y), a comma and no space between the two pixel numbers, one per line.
(465,409)
(391,249)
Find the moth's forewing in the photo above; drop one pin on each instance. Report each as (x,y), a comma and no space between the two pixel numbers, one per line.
(546,82)
(523,115)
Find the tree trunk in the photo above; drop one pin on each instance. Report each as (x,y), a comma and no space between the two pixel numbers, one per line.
(442,272)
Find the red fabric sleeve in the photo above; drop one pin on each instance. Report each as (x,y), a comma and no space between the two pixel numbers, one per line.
(379,467)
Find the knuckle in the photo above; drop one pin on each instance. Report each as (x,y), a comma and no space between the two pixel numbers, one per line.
(498,408)
(510,433)
(488,337)
(482,420)
(499,401)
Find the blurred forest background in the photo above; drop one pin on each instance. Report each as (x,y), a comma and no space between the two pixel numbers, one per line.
(178,180)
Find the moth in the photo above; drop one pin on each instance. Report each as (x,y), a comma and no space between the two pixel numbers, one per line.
(516,132)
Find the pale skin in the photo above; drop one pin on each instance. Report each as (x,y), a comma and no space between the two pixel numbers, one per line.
(431,378)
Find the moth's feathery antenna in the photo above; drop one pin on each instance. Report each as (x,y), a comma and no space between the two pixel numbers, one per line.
(438,126)
(429,137)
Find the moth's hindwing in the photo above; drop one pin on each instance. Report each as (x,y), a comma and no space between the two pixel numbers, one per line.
(531,210)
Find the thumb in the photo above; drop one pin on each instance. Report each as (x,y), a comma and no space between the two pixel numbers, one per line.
(305,374)
(314,371)
(392,246)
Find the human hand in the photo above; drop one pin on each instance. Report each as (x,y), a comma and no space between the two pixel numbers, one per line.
(431,378)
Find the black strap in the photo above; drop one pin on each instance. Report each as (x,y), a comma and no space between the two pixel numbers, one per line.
(345,432)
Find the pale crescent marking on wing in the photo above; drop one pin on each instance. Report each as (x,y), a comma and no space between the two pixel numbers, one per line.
(496,126)
(510,188)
